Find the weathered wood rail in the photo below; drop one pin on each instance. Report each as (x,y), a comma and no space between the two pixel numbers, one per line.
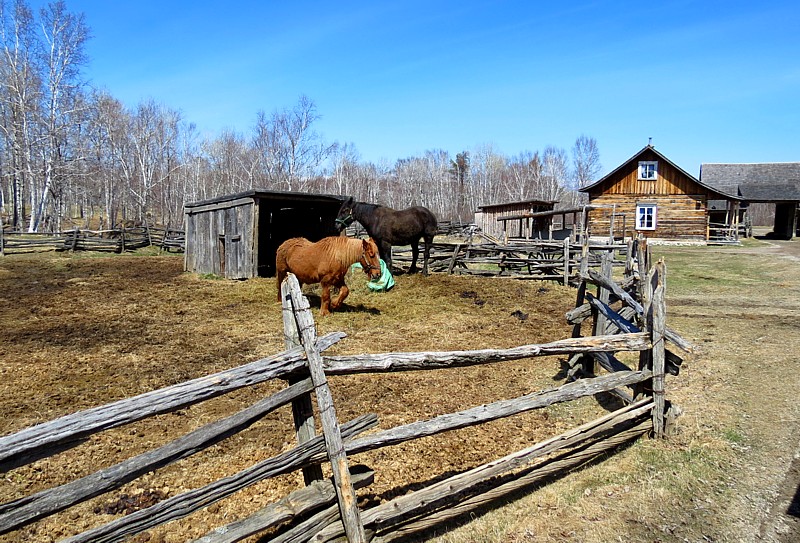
(521,259)
(328,509)
(117,240)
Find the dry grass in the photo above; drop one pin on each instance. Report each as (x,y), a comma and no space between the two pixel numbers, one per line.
(82,331)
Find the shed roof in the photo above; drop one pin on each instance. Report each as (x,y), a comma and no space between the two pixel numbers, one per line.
(717,190)
(761,182)
(270,195)
(521,202)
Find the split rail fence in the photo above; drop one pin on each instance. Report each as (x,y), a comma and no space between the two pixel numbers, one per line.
(521,259)
(117,240)
(326,510)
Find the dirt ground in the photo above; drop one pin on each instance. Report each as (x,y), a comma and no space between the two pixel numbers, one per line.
(776,495)
(80,331)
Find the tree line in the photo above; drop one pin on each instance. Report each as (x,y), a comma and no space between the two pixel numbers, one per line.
(71,154)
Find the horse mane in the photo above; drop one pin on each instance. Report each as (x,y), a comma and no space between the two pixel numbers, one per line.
(343,250)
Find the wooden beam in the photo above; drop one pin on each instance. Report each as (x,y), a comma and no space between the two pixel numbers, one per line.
(25,510)
(445,359)
(302,407)
(184,504)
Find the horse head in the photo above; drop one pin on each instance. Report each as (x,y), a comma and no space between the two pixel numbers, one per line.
(370,259)
(345,216)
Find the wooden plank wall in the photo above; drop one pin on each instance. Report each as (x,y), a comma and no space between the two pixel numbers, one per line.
(219,240)
(681,203)
(678,216)
(487,218)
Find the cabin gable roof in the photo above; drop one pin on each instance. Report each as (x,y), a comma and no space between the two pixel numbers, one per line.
(650,153)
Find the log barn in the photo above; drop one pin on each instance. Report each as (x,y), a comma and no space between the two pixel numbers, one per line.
(775,183)
(650,195)
(236,236)
(514,219)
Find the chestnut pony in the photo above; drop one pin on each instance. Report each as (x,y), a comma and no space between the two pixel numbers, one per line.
(326,262)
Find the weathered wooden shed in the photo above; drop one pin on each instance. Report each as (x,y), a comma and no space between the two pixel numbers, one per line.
(513,219)
(768,182)
(236,236)
(648,194)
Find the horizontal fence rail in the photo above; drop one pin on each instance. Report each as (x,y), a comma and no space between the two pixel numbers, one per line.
(117,240)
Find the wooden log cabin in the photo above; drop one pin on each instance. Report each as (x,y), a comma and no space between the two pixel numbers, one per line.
(650,195)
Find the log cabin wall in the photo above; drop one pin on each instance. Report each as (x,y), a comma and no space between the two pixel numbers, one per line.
(680,201)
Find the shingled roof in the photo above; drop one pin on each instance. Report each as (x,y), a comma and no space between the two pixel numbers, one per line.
(765,182)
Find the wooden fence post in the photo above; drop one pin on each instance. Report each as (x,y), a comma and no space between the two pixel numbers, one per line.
(657,318)
(566,262)
(643,265)
(604,294)
(75,233)
(630,252)
(348,505)
(302,407)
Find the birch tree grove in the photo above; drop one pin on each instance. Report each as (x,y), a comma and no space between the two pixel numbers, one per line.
(71,155)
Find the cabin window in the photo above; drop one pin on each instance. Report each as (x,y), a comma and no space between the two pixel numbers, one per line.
(648,170)
(646,217)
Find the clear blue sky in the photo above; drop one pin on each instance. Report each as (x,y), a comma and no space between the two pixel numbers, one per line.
(708,81)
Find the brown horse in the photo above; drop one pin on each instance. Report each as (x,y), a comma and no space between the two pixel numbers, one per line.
(326,262)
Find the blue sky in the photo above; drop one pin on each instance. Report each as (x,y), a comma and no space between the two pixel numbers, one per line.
(708,81)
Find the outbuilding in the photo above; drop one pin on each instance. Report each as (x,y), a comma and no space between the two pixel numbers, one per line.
(768,182)
(236,236)
(515,219)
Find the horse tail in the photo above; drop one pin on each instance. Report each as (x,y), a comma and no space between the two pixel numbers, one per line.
(280,267)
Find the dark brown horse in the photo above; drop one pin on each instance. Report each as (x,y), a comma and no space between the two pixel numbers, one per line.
(390,227)
(326,262)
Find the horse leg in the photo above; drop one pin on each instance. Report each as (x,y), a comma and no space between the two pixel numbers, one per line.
(385,250)
(427,252)
(343,292)
(414,256)
(279,277)
(324,308)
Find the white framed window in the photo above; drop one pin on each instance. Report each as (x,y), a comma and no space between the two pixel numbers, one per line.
(646,216)
(648,170)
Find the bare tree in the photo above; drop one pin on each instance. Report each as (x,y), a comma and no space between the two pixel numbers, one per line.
(61,56)
(487,168)
(523,177)
(154,139)
(555,174)
(585,161)
(459,169)
(19,99)
(289,149)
